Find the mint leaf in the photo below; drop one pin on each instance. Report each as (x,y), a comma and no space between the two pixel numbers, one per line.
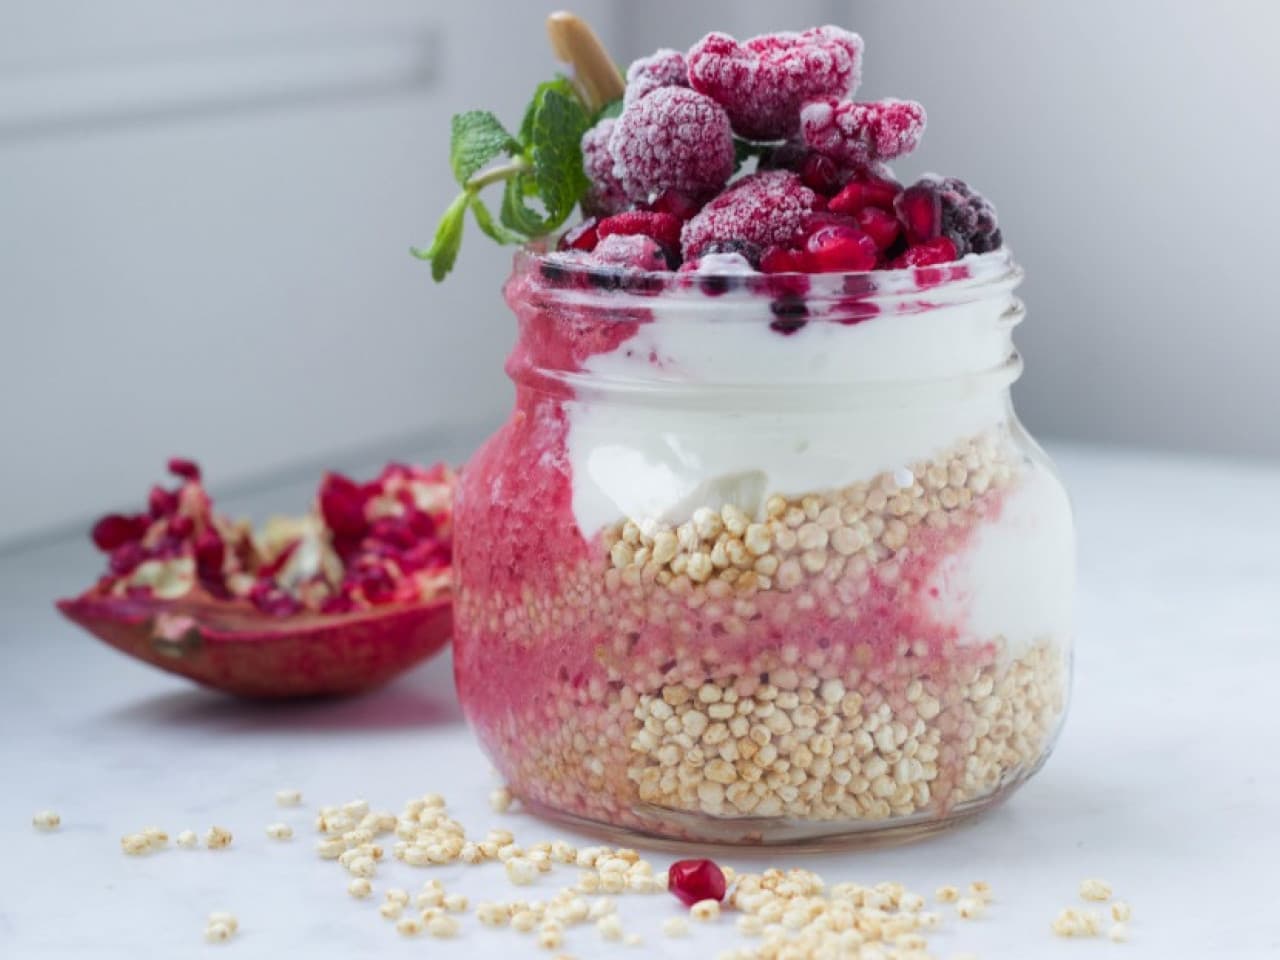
(490,228)
(562,85)
(444,248)
(516,213)
(476,137)
(611,109)
(556,152)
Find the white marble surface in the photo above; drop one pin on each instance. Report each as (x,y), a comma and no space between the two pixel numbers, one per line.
(1165,782)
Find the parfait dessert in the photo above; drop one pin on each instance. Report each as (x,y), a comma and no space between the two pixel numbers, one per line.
(762,554)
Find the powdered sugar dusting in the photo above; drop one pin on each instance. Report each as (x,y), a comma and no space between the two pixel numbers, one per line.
(861,133)
(673,139)
(664,68)
(606,195)
(763,82)
(768,208)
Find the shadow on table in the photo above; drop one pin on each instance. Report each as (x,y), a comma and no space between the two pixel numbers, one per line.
(421,698)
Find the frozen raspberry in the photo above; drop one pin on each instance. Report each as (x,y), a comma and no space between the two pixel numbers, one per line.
(663,227)
(763,82)
(859,133)
(766,209)
(673,139)
(665,68)
(935,206)
(634,251)
(606,195)
(928,253)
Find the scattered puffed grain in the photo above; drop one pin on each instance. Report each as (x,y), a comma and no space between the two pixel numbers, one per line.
(633,940)
(524,920)
(391,910)
(188,840)
(288,797)
(675,927)
(46,820)
(610,927)
(217,933)
(280,831)
(550,937)
(970,908)
(1119,933)
(331,848)
(1095,890)
(982,890)
(705,910)
(947,894)
(397,895)
(1121,911)
(227,919)
(408,926)
(455,903)
(360,887)
(362,867)
(521,872)
(217,838)
(443,926)
(500,800)
(135,844)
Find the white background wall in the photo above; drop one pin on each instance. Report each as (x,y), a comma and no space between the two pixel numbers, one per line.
(205,208)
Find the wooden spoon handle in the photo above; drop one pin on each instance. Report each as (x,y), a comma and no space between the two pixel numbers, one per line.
(575,43)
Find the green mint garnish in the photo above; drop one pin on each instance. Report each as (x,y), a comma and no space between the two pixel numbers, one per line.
(540,169)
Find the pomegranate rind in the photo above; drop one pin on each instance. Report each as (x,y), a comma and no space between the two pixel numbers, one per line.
(233,648)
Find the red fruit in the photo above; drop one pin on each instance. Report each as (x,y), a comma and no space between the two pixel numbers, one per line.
(632,251)
(342,505)
(162,502)
(834,248)
(606,195)
(664,68)
(239,625)
(663,227)
(920,209)
(182,467)
(693,881)
(927,254)
(860,133)
(879,225)
(674,138)
(582,237)
(674,202)
(782,260)
(820,173)
(763,82)
(766,209)
(116,529)
(868,191)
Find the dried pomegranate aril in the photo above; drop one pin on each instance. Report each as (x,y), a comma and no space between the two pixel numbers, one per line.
(693,881)
(116,529)
(182,467)
(837,248)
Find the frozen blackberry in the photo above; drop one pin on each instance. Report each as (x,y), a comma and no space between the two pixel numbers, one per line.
(948,207)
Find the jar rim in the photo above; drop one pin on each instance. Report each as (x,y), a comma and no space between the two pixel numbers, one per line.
(967,275)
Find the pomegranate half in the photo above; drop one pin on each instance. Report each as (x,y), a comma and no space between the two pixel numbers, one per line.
(336,602)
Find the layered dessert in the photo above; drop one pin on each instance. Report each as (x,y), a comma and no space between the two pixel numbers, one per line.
(762,553)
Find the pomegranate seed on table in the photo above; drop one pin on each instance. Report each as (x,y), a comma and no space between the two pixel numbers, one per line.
(692,881)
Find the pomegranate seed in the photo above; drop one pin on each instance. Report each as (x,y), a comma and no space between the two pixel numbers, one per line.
(820,173)
(180,526)
(677,204)
(881,226)
(780,260)
(920,208)
(126,558)
(866,192)
(161,502)
(695,880)
(182,467)
(342,505)
(937,250)
(337,604)
(210,553)
(834,248)
(582,237)
(117,529)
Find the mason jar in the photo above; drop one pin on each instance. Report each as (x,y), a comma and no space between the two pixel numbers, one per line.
(763,558)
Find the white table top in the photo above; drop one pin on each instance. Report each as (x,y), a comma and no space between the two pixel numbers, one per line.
(1165,782)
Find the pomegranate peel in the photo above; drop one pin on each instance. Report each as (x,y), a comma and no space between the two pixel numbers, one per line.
(335,602)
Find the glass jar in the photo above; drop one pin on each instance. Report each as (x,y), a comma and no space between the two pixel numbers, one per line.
(764,558)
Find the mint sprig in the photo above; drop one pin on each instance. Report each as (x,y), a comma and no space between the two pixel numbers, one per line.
(541,171)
